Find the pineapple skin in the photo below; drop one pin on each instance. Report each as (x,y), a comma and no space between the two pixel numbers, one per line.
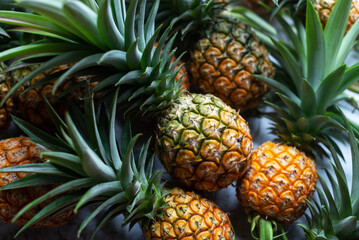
(203,143)
(325,7)
(6,109)
(30,105)
(18,151)
(277,183)
(188,216)
(223,61)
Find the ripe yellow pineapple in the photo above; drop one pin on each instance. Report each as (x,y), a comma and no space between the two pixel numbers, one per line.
(279,181)
(189,216)
(202,142)
(325,7)
(223,60)
(14,152)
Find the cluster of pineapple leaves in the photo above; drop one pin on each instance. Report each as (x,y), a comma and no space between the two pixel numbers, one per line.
(110,39)
(88,164)
(336,214)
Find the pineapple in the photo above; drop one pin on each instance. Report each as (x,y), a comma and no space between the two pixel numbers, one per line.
(278,183)
(142,66)
(225,56)
(325,7)
(6,109)
(189,215)
(203,143)
(117,181)
(20,151)
(223,61)
(28,101)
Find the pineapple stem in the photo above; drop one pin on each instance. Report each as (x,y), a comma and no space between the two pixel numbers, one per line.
(266,230)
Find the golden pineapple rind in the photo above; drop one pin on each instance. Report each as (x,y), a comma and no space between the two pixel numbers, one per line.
(325,7)
(203,143)
(18,151)
(189,216)
(222,63)
(277,183)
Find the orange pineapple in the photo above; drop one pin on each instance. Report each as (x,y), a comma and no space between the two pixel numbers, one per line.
(188,215)
(19,151)
(279,181)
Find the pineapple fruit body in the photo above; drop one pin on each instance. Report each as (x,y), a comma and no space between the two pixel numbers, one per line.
(189,216)
(6,109)
(325,7)
(223,61)
(279,181)
(29,104)
(203,143)
(18,151)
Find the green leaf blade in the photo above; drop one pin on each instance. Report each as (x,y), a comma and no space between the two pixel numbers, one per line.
(334,32)
(315,47)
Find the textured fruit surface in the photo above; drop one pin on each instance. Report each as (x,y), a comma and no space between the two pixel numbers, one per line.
(203,143)
(189,216)
(325,7)
(277,183)
(29,104)
(18,151)
(222,63)
(6,109)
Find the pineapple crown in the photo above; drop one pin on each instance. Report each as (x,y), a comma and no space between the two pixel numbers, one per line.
(10,39)
(311,75)
(335,213)
(91,168)
(118,40)
(190,15)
